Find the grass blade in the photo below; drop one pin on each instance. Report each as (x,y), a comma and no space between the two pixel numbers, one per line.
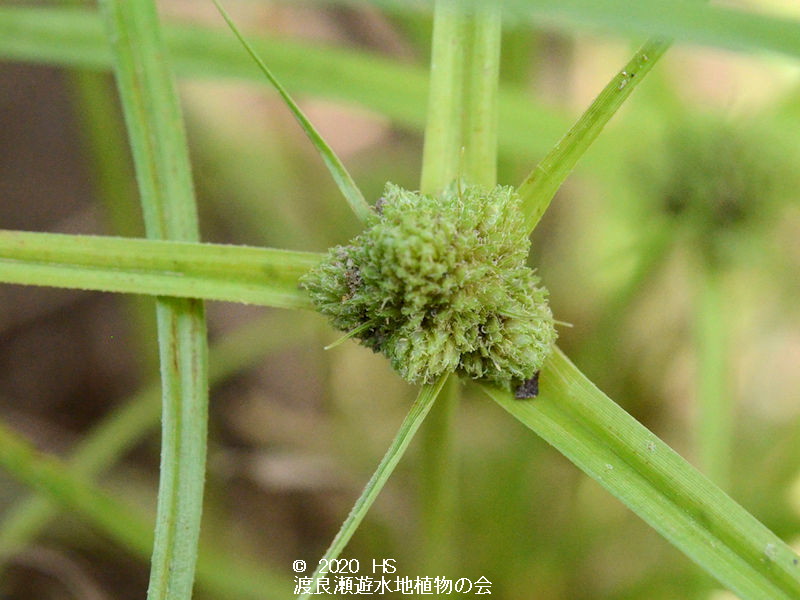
(541,185)
(405,434)
(125,524)
(684,20)
(657,484)
(156,267)
(45,474)
(337,170)
(688,21)
(73,38)
(158,141)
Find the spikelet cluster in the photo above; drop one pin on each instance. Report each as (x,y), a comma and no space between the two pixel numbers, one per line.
(439,284)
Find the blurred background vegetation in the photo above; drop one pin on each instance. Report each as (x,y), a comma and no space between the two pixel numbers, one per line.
(673,251)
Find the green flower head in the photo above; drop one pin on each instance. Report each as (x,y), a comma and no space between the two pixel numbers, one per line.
(440,284)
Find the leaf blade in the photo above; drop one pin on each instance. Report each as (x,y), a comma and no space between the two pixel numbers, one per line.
(335,166)
(123,522)
(73,38)
(157,267)
(656,483)
(410,425)
(541,185)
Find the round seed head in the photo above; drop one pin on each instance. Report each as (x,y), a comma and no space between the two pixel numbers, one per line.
(440,284)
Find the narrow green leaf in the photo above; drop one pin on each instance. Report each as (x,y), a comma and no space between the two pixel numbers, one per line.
(541,185)
(657,484)
(685,20)
(337,169)
(156,267)
(42,473)
(125,524)
(158,141)
(405,434)
(73,38)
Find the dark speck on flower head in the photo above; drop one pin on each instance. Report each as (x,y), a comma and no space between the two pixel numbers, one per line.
(439,284)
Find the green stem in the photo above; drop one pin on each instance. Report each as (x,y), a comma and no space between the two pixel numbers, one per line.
(157,267)
(543,182)
(714,402)
(405,434)
(481,85)
(441,155)
(153,118)
(460,140)
(439,482)
(184,425)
